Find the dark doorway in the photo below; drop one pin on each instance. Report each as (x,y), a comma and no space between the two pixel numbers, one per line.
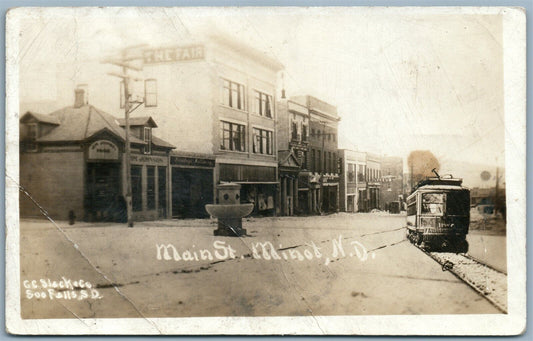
(103,201)
(332,199)
(303,202)
(162,191)
(192,189)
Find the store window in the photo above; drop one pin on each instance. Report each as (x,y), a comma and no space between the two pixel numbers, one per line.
(351,172)
(150,187)
(233,136)
(262,141)
(136,188)
(150,93)
(262,104)
(233,94)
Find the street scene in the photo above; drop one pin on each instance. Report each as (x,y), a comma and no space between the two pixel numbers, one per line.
(242,163)
(375,270)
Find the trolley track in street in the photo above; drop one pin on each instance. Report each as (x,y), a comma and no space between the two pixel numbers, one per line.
(484,279)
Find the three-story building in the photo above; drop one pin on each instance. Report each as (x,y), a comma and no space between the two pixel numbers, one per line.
(322,176)
(293,142)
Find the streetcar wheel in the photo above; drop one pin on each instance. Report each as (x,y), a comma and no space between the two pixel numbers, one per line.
(419,238)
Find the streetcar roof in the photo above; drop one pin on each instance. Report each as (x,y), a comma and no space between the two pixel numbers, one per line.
(441,187)
(429,188)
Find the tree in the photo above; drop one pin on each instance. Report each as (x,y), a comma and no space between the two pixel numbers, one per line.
(421,163)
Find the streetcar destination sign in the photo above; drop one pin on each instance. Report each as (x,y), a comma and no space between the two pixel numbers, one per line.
(173,54)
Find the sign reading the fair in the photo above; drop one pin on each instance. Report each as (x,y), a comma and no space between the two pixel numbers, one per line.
(103,150)
(173,54)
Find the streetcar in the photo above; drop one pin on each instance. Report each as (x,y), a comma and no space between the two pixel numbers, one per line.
(438,214)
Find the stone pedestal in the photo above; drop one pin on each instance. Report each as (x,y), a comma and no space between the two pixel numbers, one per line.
(229,211)
(230,227)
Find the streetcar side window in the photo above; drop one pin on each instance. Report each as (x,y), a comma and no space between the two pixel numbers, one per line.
(433,203)
(411,206)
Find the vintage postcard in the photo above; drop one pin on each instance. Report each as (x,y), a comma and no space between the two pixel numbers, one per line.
(262,170)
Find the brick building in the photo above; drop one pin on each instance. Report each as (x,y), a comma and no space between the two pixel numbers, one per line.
(321,176)
(351,180)
(369,186)
(72,163)
(392,176)
(293,142)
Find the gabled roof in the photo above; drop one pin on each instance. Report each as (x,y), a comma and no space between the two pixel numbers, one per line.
(39,117)
(287,159)
(161,143)
(78,124)
(138,121)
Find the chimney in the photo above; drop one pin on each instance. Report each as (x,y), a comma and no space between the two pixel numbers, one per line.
(79,98)
(81,94)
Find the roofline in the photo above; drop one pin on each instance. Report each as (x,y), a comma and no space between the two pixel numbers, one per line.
(254,53)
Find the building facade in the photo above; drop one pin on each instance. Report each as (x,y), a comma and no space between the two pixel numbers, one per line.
(391,182)
(293,143)
(370,196)
(218,108)
(72,166)
(351,180)
(214,99)
(321,175)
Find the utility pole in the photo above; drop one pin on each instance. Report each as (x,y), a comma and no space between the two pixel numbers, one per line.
(123,62)
(322,166)
(496,199)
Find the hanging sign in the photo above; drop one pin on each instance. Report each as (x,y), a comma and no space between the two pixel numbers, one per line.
(103,150)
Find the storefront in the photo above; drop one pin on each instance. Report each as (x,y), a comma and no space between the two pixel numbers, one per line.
(149,187)
(258,185)
(73,163)
(289,198)
(105,183)
(330,193)
(192,184)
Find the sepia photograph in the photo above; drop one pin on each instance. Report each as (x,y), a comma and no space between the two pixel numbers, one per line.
(265,170)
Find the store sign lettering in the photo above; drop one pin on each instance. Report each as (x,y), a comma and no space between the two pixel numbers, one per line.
(103,150)
(173,54)
(187,161)
(148,159)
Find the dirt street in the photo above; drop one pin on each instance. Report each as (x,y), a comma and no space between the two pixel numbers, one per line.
(342,264)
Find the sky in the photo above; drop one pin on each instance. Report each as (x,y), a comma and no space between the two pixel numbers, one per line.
(401,79)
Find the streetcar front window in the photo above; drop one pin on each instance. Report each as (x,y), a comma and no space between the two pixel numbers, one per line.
(458,203)
(433,203)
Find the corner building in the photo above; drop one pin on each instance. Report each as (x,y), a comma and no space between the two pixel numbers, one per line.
(214,100)
(72,165)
